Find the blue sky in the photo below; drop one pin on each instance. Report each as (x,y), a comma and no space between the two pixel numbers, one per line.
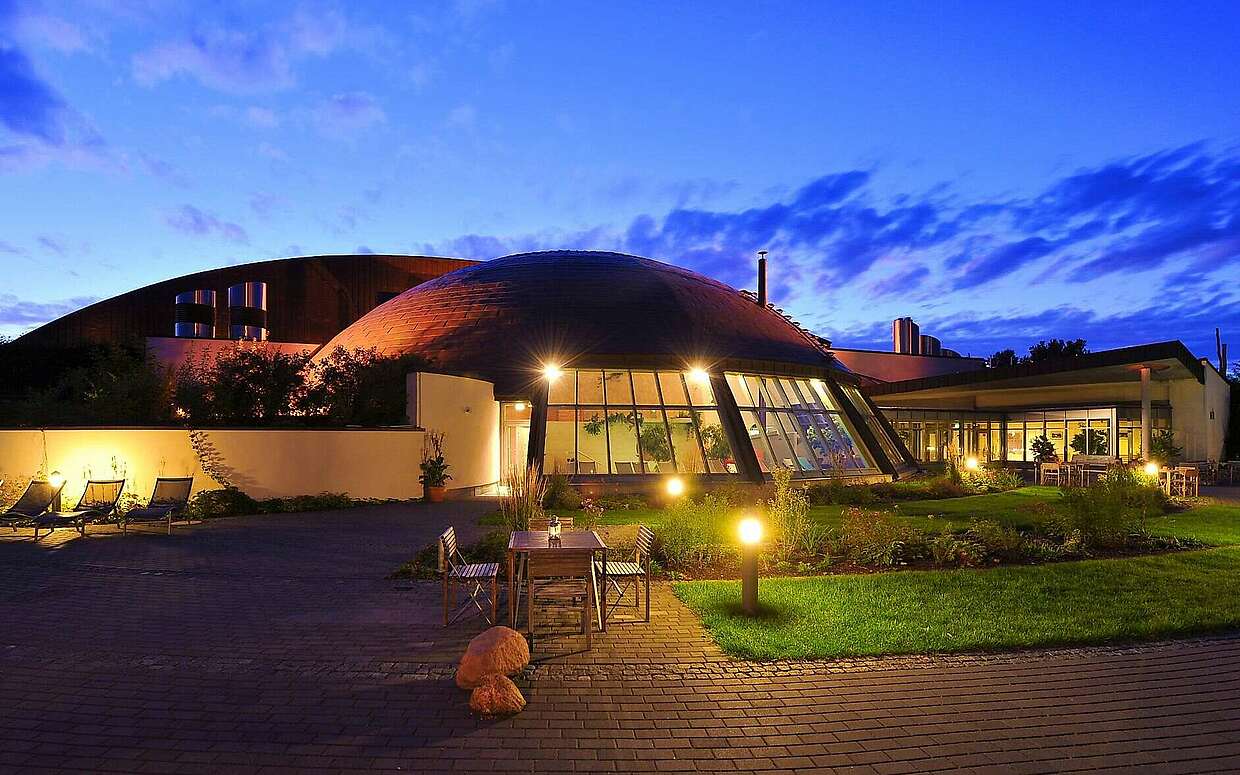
(1001,172)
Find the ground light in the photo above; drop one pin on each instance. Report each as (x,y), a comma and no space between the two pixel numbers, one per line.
(675,487)
(1151,468)
(751,538)
(971,463)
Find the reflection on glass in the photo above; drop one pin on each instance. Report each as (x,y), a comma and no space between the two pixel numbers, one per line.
(700,392)
(618,389)
(644,390)
(740,390)
(758,438)
(591,442)
(590,387)
(719,458)
(559,453)
(686,446)
(622,434)
(798,457)
(561,390)
(656,446)
(673,388)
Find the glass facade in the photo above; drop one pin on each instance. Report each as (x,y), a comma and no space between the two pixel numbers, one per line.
(938,435)
(795,424)
(619,421)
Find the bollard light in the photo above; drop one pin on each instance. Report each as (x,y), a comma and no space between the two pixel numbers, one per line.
(751,538)
(675,487)
(1151,468)
(971,463)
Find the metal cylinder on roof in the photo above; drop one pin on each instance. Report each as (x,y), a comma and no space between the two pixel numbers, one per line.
(247,311)
(930,345)
(194,314)
(905,336)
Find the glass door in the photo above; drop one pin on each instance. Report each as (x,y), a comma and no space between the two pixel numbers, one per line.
(514,437)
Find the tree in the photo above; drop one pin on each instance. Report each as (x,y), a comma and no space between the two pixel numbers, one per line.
(1094,444)
(359,387)
(1055,349)
(1044,450)
(249,385)
(1002,358)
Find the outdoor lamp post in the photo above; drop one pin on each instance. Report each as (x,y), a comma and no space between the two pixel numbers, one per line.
(55,479)
(751,537)
(675,487)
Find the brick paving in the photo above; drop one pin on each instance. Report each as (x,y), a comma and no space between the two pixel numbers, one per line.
(274,643)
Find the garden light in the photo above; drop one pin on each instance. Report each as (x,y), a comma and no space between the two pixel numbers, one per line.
(552,372)
(56,479)
(971,463)
(675,487)
(751,537)
(1151,468)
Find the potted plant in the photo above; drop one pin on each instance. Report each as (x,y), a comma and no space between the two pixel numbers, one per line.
(435,474)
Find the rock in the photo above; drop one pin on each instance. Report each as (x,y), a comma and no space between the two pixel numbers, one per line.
(497,695)
(496,651)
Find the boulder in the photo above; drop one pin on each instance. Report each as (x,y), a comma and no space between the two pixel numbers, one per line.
(496,651)
(497,695)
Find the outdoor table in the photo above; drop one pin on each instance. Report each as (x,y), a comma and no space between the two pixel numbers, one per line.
(570,542)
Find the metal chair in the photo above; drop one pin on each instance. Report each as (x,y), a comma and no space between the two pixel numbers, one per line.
(622,576)
(459,573)
(98,501)
(168,499)
(38,498)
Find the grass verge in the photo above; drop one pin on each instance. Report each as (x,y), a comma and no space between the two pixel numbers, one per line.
(1092,601)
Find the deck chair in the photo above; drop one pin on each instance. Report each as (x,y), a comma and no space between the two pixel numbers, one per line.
(470,576)
(38,498)
(168,500)
(98,501)
(623,576)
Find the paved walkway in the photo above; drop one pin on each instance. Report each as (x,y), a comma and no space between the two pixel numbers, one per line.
(275,643)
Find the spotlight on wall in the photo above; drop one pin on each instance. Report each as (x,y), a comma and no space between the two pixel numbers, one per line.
(552,372)
(971,463)
(698,375)
(675,487)
(519,406)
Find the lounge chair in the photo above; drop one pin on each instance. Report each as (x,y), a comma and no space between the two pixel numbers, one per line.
(38,498)
(168,500)
(98,501)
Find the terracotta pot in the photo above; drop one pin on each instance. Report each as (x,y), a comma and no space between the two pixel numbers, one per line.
(435,494)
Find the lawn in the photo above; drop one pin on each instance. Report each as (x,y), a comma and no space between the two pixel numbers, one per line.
(1007,607)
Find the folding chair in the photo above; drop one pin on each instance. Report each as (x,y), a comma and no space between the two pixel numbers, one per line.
(621,576)
(168,500)
(459,573)
(98,500)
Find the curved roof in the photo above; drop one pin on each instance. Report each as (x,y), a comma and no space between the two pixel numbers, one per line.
(503,319)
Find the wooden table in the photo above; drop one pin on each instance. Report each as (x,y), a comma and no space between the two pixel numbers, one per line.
(571,542)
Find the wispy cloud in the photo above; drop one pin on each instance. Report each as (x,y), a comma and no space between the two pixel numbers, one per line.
(18,314)
(190,220)
(346,114)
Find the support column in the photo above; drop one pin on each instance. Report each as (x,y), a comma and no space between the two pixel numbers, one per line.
(1145,413)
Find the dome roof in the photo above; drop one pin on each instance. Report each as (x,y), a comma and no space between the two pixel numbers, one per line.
(502,320)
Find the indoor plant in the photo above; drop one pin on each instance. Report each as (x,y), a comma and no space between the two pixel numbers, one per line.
(435,474)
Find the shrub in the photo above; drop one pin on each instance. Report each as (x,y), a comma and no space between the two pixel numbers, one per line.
(1163,447)
(948,549)
(523,500)
(695,532)
(875,538)
(326,501)
(226,502)
(793,533)
(991,479)
(1112,511)
(1000,541)
(621,501)
(560,494)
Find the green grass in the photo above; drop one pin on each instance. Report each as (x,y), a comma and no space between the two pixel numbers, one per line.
(1217,524)
(1008,607)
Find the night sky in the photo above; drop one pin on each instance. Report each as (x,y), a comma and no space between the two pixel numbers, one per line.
(1002,172)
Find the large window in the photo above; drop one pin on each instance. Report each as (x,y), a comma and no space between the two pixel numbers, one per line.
(634,422)
(852,393)
(934,436)
(795,424)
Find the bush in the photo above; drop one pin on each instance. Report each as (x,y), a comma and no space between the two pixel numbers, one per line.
(326,501)
(949,549)
(875,538)
(793,534)
(991,479)
(695,532)
(1112,511)
(1000,541)
(226,502)
(560,494)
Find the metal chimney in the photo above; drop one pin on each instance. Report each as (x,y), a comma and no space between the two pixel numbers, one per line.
(930,345)
(247,311)
(193,315)
(905,336)
(762,278)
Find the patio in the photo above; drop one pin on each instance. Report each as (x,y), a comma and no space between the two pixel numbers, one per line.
(274,643)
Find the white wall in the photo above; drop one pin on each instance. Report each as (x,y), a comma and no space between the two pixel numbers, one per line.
(264,463)
(466,412)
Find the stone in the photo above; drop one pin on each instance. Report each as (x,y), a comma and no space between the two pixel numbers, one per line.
(496,651)
(497,695)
